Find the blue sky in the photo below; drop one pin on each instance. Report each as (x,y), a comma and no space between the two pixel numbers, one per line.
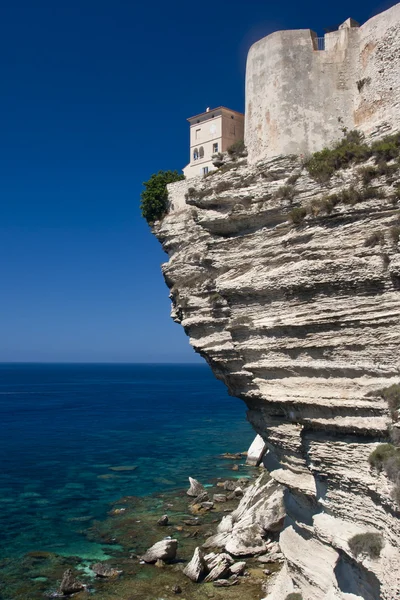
(94,99)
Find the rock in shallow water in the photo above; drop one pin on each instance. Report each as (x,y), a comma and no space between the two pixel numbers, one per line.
(69,584)
(203,497)
(195,488)
(164,550)
(220,571)
(196,568)
(237,568)
(163,521)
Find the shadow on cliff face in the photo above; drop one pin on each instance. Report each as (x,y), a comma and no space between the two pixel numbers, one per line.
(353,578)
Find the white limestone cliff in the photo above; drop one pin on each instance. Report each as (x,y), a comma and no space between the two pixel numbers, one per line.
(303,323)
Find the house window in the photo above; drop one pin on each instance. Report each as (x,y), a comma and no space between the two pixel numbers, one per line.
(198,133)
(201,152)
(205,170)
(215,147)
(195,154)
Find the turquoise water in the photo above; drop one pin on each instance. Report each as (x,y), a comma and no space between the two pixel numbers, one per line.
(76,437)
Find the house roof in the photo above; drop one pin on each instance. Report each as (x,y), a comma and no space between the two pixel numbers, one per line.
(213,110)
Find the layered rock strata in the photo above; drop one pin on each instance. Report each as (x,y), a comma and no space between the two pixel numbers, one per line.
(303,323)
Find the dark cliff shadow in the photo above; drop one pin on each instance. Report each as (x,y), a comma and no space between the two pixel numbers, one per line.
(353,578)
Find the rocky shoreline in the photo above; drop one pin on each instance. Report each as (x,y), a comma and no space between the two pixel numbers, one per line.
(213,540)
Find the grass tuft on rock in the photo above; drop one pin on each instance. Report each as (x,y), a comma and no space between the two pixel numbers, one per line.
(392,396)
(381,454)
(297,215)
(286,192)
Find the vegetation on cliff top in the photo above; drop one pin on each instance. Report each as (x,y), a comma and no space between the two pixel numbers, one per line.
(352,149)
(237,149)
(154,197)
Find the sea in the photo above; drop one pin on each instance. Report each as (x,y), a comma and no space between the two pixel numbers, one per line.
(77,437)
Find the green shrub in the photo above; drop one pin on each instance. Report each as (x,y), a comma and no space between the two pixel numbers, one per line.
(392,396)
(350,196)
(326,204)
(352,149)
(381,454)
(154,198)
(383,169)
(294,596)
(286,192)
(367,173)
(374,239)
(371,193)
(370,172)
(237,149)
(386,149)
(297,215)
(366,543)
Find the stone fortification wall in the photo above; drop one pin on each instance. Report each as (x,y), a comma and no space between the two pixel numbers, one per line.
(377,105)
(177,192)
(298,99)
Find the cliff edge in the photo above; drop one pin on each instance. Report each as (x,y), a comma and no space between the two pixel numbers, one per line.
(290,289)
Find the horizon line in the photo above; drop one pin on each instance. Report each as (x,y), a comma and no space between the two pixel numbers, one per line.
(47,362)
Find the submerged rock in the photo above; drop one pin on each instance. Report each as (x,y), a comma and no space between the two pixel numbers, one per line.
(230,456)
(69,584)
(229,485)
(103,570)
(163,521)
(196,568)
(192,522)
(164,550)
(195,488)
(225,582)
